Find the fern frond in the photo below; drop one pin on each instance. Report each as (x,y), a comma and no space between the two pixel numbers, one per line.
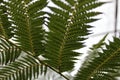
(26,68)
(28,20)
(5,25)
(8,52)
(8,58)
(103,66)
(100,43)
(94,51)
(68,26)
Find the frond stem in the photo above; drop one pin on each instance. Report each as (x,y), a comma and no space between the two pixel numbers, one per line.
(116,17)
(53,69)
(65,35)
(28,28)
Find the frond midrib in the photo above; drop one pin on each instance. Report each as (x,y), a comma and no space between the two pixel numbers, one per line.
(99,66)
(29,30)
(67,26)
(3,30)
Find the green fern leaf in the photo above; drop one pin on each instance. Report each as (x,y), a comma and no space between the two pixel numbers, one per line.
(68,26)
(94,51)
(26,68)
(8,52)
(100,43)
(28,20)
(104,65)
(5,25)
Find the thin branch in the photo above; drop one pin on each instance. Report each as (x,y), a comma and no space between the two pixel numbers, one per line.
(116,17)
(57,71)
(37,58)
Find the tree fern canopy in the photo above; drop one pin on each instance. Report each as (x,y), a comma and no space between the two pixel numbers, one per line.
(68,27)
(23,33)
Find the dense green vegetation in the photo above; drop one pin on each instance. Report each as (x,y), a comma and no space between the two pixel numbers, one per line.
(23,39)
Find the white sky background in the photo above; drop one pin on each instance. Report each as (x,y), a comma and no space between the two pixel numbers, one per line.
(104,25)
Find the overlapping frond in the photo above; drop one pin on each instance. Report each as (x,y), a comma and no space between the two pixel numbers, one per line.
(68,26)
(5,25)
(8,52)
(27,20)
(94,51)
(100,43)
(26,68)
(103,66)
